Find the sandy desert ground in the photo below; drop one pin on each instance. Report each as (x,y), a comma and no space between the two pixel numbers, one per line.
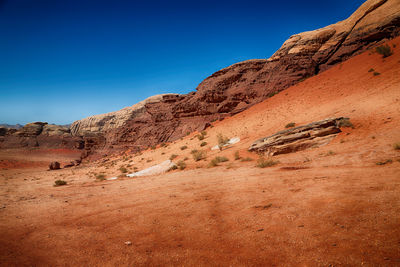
(328,206)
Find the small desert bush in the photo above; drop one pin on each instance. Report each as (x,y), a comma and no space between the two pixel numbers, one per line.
(222,140)
(173,167)
(376,73)
(396,146)
(153,147)
(183,147)
(163,145)
(203,144)
(330,153)
(123,169)
(246,159)
(214,162)
(181,165)
(60,183)
(371,70)
(100,177)
(290,125)
(345,122)
(204,133)
(263,163)
(173,156)
(200,137)
(198,154)
(384,162)
(236,155)
(384,50)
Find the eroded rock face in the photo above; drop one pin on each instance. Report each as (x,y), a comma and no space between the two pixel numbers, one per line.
(237,87)
(299,138)
(38,134)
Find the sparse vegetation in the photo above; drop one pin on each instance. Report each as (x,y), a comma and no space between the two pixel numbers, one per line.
(200,137)
(60,183)
(163,145)
(384,162)
(345,122)
(203,144)
(330,153)
(376,73)
(214,162)
(290,125)
(396,146)
(263,163)
(123,169)
(183,147)
(100,177)
(173,167)
(222,140)
(246,159)
(153,147)
(198,154)
(236,155)
(384,50)
(181,165)
(173,156)
(371,70)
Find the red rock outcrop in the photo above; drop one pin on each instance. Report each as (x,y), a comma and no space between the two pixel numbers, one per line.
(237,87)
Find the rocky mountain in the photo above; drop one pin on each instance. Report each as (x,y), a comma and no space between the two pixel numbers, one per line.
(233,89)
(237,87)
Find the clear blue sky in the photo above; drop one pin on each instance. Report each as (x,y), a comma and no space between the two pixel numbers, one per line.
(62,60)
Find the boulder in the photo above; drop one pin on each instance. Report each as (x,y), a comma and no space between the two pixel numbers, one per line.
(299,138)
(55,165)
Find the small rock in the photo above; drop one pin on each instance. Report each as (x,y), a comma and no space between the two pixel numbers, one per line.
(128,243)
(55,165)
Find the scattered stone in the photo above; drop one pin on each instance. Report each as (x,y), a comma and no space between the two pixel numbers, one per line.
(128,243)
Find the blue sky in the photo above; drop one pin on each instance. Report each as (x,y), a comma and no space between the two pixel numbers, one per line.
(63,60)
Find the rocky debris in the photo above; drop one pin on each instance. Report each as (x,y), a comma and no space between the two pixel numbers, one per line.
(55,165)
(76,162)
(166,118)
(299,138)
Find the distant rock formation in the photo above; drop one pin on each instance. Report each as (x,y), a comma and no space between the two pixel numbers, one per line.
(39,134)
(235,88)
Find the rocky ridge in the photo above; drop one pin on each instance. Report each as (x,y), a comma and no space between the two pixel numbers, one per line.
(237,87)
(165,118)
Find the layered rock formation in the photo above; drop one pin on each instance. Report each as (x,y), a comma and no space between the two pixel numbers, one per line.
(302,137)
(237,87)
(38,134)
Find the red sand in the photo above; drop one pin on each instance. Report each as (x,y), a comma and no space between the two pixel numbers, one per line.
(314,208)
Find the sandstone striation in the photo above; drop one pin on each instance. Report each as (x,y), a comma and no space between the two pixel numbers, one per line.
(302,137)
